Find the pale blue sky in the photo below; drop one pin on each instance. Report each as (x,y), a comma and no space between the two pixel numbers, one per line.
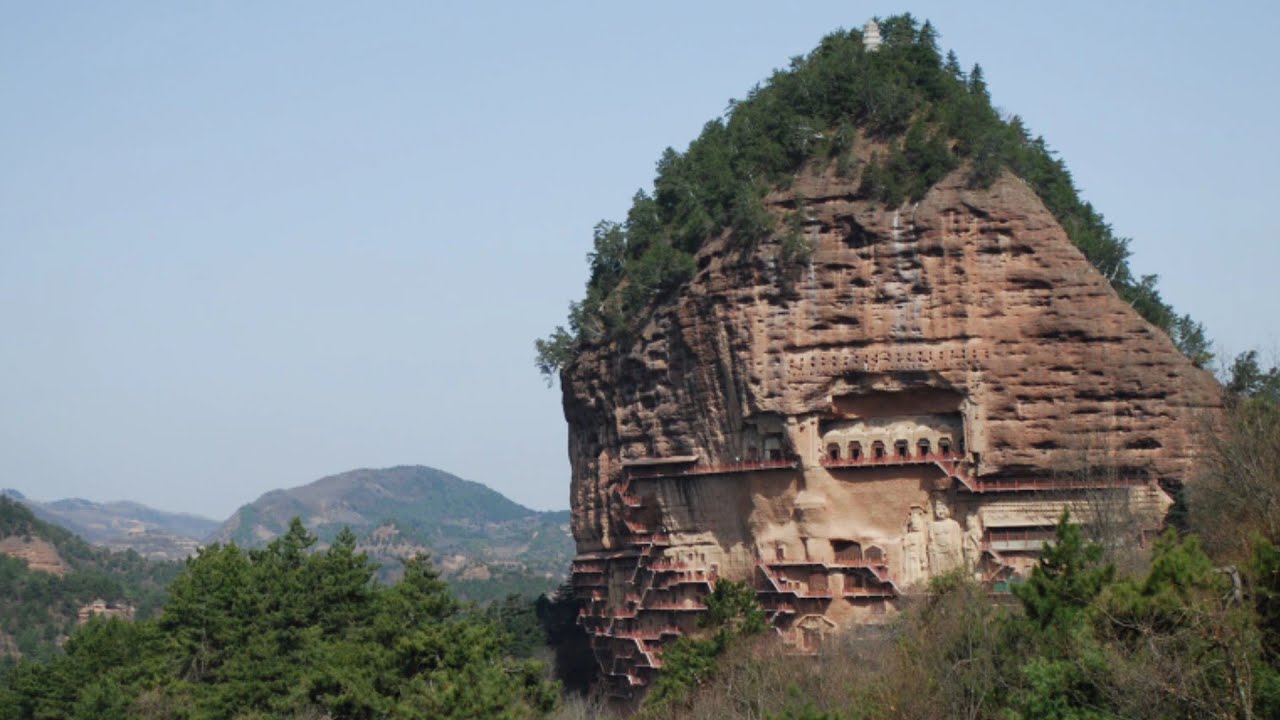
(244,245)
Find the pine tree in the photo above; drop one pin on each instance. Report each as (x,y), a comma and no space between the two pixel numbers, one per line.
(977,83)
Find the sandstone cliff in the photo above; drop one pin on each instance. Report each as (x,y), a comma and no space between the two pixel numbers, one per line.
(39,554)
(927,393)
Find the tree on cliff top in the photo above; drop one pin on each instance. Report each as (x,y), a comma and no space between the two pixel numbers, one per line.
(924,114)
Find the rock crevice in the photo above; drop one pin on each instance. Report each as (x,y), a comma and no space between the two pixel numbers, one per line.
(928,393)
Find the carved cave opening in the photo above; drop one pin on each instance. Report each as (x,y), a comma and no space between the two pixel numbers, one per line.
(847,550)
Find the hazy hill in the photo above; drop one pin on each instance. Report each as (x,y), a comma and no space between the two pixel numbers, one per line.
(124,525)
(47,575)
(485,544)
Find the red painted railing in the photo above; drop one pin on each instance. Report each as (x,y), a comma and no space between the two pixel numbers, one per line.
(685,606)
(755,466)
(869,592)
(656,634)
(998,535)
(953,465)
(801,590)
(837,564)
(687,577)
(889,460)
(863,563)
(1026,484)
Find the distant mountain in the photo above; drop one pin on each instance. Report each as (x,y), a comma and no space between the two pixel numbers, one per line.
(485,544)
(123,525)
(49,579)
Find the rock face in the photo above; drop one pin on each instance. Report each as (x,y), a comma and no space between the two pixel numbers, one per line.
(40,555)
(926,395)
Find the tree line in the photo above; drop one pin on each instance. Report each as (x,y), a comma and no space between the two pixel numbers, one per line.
(923,115)
(39,609)
(285,632)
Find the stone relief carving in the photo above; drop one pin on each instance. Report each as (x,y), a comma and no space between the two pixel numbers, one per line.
(914,543)
(973,542)
(946,541)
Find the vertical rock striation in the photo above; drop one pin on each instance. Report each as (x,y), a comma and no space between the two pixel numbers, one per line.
(926,394)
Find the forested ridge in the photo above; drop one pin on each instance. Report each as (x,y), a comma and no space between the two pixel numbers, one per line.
(921,114)
(37,609)
(486,544)
(287,632)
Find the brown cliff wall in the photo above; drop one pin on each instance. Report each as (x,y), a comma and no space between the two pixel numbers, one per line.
(40,555)
(967,323)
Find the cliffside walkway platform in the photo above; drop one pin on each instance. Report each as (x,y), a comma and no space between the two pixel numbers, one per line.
(955,467)
(677,470)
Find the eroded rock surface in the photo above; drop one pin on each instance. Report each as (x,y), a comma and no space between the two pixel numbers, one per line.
(927,394)
(40,555)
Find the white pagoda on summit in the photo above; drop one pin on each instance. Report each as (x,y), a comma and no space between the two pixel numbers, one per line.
(871,39)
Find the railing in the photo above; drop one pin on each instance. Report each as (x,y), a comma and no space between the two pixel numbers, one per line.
(802,589)
(656,634)
(996,535)
(949,462)
(1005,540)
(780,609)
(889,460)
(837,564)
(953,465)
(739,467)
(674,582)
(678,606)
(857,592)
(869,563)
(1027,484)
(656,538)
(687,577)
(793,587)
